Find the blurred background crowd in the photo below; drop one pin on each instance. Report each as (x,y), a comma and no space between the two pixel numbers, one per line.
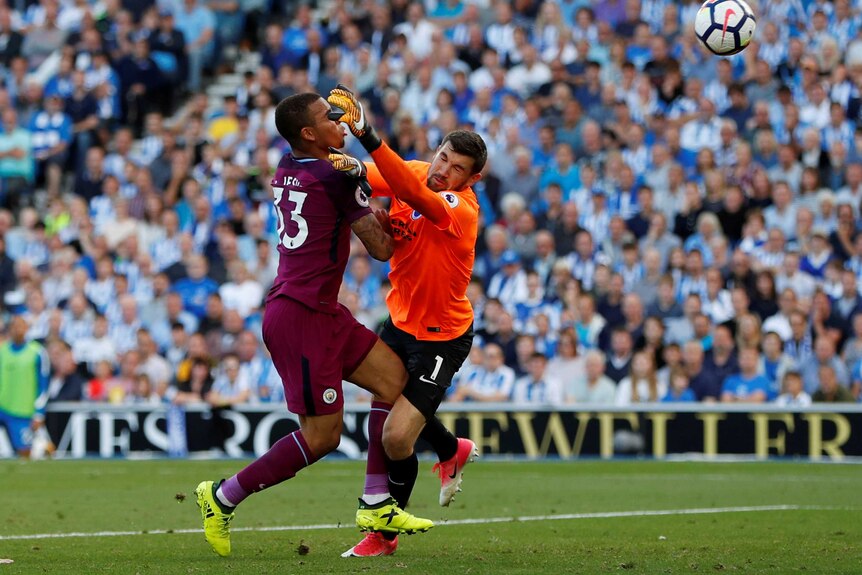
(658,224)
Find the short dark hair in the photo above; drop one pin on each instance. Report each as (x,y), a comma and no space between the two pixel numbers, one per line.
(292,115)
(469,144)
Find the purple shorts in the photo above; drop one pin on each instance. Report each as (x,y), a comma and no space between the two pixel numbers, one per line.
(313,351)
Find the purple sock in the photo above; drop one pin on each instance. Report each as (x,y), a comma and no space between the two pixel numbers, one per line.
(376,478)
(232,492)
(285,459)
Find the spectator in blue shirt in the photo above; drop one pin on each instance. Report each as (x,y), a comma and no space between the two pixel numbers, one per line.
(51,131)
(197,287)
(678,390)
(564,171)
(198,24)
(748,385)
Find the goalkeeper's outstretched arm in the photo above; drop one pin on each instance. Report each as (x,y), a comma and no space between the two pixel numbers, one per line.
(407,187)
(403,183)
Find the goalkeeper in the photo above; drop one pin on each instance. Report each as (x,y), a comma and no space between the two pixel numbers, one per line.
(434,221)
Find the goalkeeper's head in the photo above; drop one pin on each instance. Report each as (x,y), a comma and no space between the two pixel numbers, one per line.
(458,162)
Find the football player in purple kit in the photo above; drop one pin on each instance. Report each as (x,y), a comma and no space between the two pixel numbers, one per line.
(314,341)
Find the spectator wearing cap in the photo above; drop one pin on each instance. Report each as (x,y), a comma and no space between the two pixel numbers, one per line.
(509,285)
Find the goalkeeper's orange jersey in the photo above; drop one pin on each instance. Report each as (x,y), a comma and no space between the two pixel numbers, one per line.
(435,242)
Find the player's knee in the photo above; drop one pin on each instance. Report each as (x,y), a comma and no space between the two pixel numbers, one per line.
(397,443)
(321,443)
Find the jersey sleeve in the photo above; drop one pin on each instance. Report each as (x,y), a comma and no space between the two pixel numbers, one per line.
(349,199)
(407,187)
(379,186)
(463,215)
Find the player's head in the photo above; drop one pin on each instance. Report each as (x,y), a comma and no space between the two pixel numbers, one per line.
(458,162)
(18,327)
(304,120)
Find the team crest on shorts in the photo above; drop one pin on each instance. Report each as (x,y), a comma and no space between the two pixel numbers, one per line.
(329,396)
(451,199)
(361,197)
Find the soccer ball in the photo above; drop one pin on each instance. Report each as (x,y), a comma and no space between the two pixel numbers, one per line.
(725,27)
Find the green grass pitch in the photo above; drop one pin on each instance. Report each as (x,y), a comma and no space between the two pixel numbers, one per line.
(800,518)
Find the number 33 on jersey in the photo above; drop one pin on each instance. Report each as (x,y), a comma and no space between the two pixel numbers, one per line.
(315,205)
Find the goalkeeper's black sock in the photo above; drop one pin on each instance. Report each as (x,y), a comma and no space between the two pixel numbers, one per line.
(402,478)
(444,443)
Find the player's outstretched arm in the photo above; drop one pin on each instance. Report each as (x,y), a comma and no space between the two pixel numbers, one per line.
(372,235)
(407,187)
(402,181)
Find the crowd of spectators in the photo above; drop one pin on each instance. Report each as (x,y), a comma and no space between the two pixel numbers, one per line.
(658,224)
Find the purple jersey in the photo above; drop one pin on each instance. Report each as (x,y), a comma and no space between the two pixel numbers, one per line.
(315,205)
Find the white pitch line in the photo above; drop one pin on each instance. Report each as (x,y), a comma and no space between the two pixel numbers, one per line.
(477,521)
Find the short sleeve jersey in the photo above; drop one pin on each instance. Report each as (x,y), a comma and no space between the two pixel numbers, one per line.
(315,205)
